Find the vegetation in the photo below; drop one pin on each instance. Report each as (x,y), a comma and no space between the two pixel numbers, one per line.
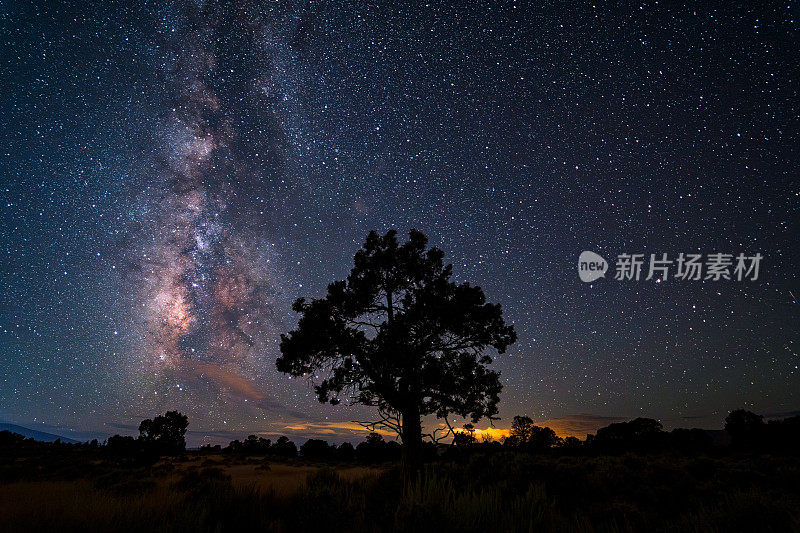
(632,476)
(165,433)
(399,335)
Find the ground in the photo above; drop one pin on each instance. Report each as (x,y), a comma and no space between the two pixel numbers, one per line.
(83,490)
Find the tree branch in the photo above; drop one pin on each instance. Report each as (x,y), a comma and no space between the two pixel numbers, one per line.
(388,421)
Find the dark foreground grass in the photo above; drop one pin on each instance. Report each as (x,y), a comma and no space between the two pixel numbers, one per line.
(497,492)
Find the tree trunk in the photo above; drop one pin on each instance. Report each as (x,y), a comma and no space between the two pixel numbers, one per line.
(412,439)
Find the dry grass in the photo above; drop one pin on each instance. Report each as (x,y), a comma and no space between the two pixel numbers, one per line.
(33,506)
(278,478)
(132,501)
(504,492)
(286,479)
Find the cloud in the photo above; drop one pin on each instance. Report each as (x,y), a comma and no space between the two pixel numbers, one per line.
(127,427)
(239,386)
(491,433)
(297,430)
(579,425)
(781,414)
(229,378)
(338,429)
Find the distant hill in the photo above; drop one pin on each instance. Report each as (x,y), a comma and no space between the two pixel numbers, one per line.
(36,435)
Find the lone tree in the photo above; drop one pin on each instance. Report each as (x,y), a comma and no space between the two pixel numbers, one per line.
(745,428)
(399,335)
(525,434)
(165,433)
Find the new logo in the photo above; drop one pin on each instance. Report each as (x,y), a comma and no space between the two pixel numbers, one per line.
(591,266)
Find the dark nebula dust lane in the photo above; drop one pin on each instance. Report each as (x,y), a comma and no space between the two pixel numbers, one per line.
(206,275)
(175,173)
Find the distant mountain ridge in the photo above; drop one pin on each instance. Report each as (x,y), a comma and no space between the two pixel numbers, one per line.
(36,435)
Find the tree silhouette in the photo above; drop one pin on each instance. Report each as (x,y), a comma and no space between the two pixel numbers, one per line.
(521,430)
(122,446)
(317,449)
(345,452)
(465,437)
(745,428)
(399,335)
(252,445)
(283,447)
(524,434)
(640,433)
(690,440)
(374,449)
(165,433)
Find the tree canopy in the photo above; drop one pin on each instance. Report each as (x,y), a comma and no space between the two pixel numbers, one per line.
(165,433)
(525,434)
(398,334)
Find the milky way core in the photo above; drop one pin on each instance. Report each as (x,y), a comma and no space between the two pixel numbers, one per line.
(205,273)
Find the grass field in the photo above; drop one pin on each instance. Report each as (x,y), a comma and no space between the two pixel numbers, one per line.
(495,492)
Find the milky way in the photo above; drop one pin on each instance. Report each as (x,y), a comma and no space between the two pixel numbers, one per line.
(204,271)
(174,174)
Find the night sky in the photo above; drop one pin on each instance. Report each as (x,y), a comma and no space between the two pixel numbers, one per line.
(173,175)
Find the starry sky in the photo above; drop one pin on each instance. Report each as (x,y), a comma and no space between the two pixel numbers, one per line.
(174,174)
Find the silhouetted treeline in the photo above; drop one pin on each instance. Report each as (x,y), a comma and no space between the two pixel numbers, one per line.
(748,431)
(165,435)
(254,445)
(744,431)
(11,440)
(374,449)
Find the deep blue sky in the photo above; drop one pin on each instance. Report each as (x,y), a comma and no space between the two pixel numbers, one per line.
(175,174)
